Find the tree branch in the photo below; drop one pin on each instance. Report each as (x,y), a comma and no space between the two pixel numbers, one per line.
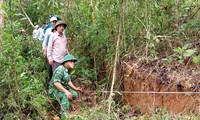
(116,58)
(20,5)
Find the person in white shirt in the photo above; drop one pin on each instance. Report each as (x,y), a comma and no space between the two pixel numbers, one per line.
(53,21)
(35,32)
(41,32)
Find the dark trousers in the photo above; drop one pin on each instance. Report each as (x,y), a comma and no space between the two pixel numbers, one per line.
(55,65)
(50,74)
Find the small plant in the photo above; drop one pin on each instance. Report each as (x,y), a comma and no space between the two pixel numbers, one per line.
(152,50)
(183,53)
(168,60)
(196,59)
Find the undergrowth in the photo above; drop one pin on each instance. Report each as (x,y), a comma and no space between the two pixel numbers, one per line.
(166,30)
(22,79)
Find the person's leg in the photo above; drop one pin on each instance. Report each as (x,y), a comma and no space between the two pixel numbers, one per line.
(47,79)
(74,94)
(50,72)
(64,103)
(53,101)
(50,76)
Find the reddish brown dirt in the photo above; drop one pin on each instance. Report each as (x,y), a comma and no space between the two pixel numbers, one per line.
(157,77)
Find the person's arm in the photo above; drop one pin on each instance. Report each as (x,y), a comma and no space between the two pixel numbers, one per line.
(44,45)
(67,46)
(71,85)
(49,50)
(62,89)
(38,34)
(33,33)
(67,50)
(57,79)
(45,40)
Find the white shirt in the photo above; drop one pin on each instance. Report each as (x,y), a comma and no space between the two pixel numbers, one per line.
(48,33)
(41,34)
(35,34)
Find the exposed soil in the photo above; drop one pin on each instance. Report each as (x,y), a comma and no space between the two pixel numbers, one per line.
(151,76)
(156,76)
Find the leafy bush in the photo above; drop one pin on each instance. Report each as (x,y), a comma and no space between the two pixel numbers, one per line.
(22,79)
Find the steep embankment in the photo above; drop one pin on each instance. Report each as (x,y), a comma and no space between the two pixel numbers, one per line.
(156,76)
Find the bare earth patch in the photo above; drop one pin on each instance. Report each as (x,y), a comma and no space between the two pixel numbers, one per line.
(158,77)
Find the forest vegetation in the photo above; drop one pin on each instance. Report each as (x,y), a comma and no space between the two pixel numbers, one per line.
(107,36)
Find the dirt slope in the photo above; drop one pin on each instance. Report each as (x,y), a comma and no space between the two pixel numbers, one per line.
(156,76)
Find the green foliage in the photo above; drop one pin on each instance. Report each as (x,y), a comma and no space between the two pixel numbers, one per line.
(168,60)
(147,28)
(183,53)
(196,59)
(22,77)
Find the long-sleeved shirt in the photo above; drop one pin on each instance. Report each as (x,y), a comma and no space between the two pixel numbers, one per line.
(61,75)
(46,37)
(57,47)
(35,34)
(46,27)
(41,34)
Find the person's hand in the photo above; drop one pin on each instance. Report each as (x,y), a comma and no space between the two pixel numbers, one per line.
(79,89)
(50,62)
(69,95)
(69,40)
(44,53)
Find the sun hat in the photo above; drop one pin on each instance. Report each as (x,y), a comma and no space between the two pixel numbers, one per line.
(68,58)
(53,19)
(61,23)
(58,18)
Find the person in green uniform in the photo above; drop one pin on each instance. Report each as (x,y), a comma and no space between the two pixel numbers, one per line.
(61,87)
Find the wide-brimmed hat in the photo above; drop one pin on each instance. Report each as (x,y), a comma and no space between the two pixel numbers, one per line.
(69,57)
(61,23)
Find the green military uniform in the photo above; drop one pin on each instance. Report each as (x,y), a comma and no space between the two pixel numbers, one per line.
(61,75)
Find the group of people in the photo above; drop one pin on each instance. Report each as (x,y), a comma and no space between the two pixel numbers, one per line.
(38,32)
(55,49)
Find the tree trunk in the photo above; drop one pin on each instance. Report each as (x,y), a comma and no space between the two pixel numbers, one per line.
(1,21)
